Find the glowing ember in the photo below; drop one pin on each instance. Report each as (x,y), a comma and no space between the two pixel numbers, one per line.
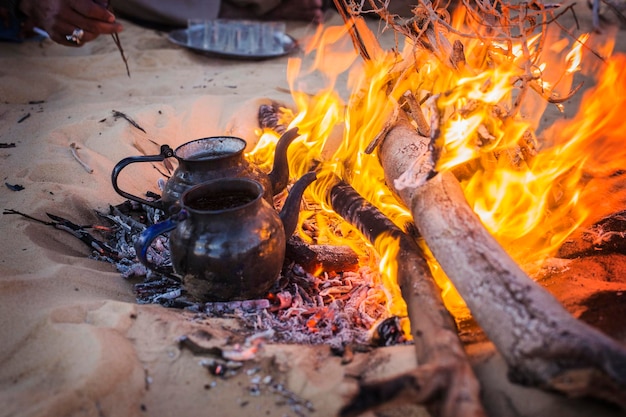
(529,191)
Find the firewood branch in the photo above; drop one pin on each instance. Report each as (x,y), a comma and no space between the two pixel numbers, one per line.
(444,379)
(543,345)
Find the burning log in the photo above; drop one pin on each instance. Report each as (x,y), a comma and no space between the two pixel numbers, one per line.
(321,257)
(444,379)
(543,345)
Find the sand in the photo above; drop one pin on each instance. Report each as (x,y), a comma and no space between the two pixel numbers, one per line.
(73,341)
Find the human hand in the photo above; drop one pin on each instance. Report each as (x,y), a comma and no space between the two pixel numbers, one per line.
(70,22)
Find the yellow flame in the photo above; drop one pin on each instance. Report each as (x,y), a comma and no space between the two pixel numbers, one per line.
(575,56)
(263,152)
(388,247)
(529,193)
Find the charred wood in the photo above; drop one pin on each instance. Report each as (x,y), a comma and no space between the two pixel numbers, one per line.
(315,258)
(78,231)
(119,114)
(271,117)
(444,379)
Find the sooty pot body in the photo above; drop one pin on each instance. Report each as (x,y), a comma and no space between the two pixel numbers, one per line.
(232,244)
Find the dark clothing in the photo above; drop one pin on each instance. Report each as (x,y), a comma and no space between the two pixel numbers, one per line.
(10,21)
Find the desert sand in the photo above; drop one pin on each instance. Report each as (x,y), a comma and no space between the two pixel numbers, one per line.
(73,340)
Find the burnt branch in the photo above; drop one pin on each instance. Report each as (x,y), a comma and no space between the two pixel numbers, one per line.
(118,114)
(315,258)
(350,21)
(444,380)
(272,116)
(78,231)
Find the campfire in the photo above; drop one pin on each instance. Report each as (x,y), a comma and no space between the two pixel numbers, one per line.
(444,132)
(440,196)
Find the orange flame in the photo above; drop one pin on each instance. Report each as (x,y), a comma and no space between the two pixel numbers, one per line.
(530,193)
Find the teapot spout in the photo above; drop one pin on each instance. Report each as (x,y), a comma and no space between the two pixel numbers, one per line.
(279,177)
(291,208)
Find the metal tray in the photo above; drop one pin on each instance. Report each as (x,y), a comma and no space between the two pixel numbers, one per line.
(191,38)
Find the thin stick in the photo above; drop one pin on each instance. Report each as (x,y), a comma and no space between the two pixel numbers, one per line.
(74,229)
(380,136)
(74,149)
(350,23)
(418,115)
(117,114)
(29,217)
(118,43)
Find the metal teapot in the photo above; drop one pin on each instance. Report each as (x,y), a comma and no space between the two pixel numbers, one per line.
(211,158)
(227,242)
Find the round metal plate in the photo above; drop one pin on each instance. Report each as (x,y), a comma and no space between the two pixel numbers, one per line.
(188,38)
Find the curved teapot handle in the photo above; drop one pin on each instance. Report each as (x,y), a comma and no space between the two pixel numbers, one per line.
(166,152)
(145,238)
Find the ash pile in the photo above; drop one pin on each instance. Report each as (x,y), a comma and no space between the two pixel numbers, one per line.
(346,310)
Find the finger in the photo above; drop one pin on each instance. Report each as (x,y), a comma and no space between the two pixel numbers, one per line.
(91,10)
(96,27)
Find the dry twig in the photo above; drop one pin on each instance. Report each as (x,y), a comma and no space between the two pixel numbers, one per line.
(381,135)
(117,114)
(418,115)
(118,43)
(350,21)
(504,22)
(74,149)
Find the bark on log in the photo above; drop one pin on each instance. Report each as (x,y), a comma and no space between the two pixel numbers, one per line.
(544,345)
(444,379)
